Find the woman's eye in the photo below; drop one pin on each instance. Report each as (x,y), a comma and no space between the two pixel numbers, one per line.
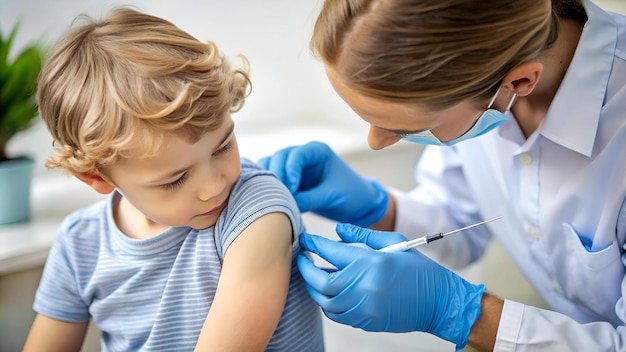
(175,184)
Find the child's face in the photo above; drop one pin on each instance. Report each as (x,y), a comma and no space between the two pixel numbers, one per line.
(185,184)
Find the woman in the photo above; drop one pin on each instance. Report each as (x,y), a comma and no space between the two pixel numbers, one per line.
(546,80)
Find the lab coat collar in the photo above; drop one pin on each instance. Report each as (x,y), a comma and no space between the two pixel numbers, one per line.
(573,117)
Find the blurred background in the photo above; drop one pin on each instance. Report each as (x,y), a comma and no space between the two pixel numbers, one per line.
(291,103)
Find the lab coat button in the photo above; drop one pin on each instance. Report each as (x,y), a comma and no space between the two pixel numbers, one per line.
(533,232)
(526,159)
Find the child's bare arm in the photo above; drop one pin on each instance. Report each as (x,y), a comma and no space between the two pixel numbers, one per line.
(49,334)
(252,290)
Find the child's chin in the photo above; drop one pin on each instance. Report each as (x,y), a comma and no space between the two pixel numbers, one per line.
(202,225)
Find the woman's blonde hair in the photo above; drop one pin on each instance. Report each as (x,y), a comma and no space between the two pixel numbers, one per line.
(432,52)
(111,89)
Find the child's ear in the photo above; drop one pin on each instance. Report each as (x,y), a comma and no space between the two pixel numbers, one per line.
(95,181)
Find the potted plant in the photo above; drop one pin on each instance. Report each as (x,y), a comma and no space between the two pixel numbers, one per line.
(18,110)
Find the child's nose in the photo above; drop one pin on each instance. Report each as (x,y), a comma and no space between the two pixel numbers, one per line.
(211,186)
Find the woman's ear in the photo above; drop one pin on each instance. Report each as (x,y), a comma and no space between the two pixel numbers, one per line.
(522,79)
(95,181)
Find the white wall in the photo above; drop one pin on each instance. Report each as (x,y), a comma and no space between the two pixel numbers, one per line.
(289,84)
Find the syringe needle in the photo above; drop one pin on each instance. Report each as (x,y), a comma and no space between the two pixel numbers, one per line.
(402,246)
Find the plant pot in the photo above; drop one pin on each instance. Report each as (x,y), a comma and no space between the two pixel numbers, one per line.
(15,180)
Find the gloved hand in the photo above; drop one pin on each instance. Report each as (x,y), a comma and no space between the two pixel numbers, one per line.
(323,183)
(394,292)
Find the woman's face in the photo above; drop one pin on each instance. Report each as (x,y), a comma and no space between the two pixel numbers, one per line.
(390,120)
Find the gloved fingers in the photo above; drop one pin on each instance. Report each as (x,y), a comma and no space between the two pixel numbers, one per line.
(317,281)
(312,274)
(328,290)
(343,318)
(331,309)
(338,254)
(279,164)
(345,299)
(354,318)
(319,298)
(310,200)
(307,163)
(314,152)
(373,238)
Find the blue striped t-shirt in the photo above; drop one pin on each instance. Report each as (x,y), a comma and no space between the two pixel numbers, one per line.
(154,294)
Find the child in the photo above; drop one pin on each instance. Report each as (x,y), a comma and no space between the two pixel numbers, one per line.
(193,247)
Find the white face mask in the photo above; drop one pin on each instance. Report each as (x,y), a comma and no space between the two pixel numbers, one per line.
(490,119)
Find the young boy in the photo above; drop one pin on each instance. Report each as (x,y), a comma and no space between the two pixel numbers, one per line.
(193,247)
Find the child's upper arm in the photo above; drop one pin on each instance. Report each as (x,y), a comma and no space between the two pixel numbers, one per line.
(252,289)
(47,334)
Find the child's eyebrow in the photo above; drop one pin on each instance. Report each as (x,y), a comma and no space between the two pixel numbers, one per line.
(229,132)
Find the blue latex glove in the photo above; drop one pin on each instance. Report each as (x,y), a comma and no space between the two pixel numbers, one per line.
(394,292)
(323,183)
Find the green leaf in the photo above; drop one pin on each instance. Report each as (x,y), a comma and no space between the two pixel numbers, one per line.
(18,118)
(21,78)
(18,87)
(5,47)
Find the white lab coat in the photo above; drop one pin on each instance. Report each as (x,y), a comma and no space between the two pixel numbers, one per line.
(558,190)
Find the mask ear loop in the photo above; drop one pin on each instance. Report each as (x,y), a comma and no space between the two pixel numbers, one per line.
(508,107)
(493,100)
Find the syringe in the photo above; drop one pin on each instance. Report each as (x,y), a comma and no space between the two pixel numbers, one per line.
(403,246)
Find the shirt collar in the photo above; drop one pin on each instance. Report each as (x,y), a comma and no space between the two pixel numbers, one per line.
(572,119)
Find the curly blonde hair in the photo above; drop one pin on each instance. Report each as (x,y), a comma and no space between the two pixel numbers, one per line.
(111,89)
(431,52)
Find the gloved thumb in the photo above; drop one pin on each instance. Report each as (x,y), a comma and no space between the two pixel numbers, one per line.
(310,200)
(372,238)
(279,165)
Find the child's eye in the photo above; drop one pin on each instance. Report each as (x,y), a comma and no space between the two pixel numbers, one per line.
(173,185)
(224,149)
